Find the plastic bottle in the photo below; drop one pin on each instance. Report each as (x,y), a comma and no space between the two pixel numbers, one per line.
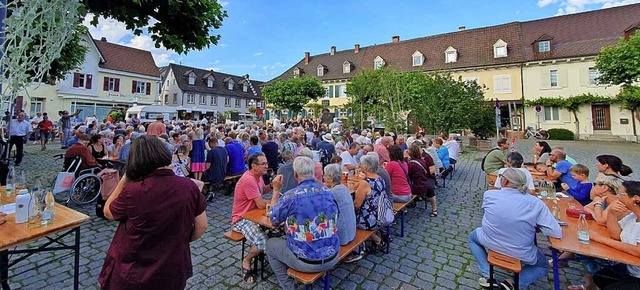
(49,209)
(34,205)
(11,176)
(583,230)
(22,206)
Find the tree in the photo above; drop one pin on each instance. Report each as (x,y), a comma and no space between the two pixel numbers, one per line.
(316,109)
(293,94)
(180,26)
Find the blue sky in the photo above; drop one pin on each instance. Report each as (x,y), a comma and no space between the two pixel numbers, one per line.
(264,38)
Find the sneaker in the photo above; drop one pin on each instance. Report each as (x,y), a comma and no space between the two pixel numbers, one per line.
(484,282)
(353,257)
(507,285)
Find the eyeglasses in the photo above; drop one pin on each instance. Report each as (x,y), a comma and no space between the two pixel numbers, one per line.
(261,163)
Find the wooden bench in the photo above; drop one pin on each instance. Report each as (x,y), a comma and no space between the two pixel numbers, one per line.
(309,278)
(505,262)
(398,207)
(491,180)
(239,237)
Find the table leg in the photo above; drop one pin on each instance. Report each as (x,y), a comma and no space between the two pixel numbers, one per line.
(4,269)
(76,270)
(402,223)
(556,275)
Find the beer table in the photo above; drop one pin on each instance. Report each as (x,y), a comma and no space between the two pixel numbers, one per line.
(569,241)
(65,222)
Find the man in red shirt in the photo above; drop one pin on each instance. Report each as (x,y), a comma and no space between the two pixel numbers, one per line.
(381,149)
(81,150)
(156,128)
(45,131)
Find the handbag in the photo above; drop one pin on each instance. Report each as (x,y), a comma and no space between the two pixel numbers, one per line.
(575,213)
(64,180)
(184,168)
(406,174)
(385,210)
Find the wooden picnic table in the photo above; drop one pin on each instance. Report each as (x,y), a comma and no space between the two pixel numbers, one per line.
(569,241)
(66,221)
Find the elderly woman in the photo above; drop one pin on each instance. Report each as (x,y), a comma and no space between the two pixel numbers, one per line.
(612,165)
(156,235)
(541,151)
(367,195)
(623,235)
(421,172)
(318,169)
(399,173)
(347,217)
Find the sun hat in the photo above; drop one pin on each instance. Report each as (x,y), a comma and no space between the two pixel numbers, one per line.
(306,152)
(327,137)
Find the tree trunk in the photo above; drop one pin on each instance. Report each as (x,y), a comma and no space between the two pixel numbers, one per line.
(577,122)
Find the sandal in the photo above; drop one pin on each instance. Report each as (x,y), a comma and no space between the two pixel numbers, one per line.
(434,213)
(248,276)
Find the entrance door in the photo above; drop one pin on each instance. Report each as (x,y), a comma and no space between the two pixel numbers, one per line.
(601,117)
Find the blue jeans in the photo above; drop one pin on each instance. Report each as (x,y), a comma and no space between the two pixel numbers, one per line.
(66,132)
(529,273)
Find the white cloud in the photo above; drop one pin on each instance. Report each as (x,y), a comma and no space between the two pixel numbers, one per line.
(111,29)
(223,45)
(543,3)
(575,6)
(161,55)
(224,3)
(258,53)
(273,69)
(213,68)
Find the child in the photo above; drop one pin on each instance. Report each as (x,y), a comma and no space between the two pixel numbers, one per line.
(581,193)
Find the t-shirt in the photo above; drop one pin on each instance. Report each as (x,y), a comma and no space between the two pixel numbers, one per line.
(564,166)
(248,188)
(270,150)
(630,235)
(348,159)
(254,149)
(383,153)
(494,161)
(217,157)
(530,185)
(347,214)
(453,147)
(443,153)
(399,183)
(236,158)
(581,192)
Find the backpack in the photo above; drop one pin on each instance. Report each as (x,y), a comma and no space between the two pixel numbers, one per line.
(485,157)
(325,157)
(385,210)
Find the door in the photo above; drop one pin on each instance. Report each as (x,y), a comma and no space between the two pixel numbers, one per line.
(601,117)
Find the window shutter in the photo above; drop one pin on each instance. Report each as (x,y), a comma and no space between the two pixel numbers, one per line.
(105,84)
(88,80)
(148,88)
(497,84)
(584,77)
(330,91)
(563,81)
(545,80)
(506,84)
(76,80)
(133,87)
(116,86)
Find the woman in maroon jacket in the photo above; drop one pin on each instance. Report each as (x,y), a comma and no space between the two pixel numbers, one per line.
(421,170)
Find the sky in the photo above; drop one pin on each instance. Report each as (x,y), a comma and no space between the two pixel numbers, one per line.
(265,38)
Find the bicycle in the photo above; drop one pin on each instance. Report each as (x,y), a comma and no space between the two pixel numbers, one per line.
(86,184)
(538,134)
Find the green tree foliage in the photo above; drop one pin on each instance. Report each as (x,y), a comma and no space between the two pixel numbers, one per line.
(620,64)
(180,25)
(71,56)
(316,109)
(293,94)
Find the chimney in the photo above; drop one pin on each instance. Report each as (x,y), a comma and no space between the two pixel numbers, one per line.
(462,28)
(356,48)
(103,39)
(395,39)
(333,50)
(306,57)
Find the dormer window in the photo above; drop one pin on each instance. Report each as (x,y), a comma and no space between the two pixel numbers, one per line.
(544,46)
(378,62)
(346,67)
(210,81)
(230,84)
(417,58)
(320,70)
(191,78)
(296,72)
(450,55)
(499,49)
(245,87)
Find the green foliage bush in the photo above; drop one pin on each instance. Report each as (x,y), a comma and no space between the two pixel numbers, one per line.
(560,134)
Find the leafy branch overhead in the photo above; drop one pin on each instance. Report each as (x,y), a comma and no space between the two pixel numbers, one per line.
(293,94)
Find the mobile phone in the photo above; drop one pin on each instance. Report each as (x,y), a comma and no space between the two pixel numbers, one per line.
(562,224)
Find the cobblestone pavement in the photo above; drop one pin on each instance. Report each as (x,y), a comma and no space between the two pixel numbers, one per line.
(433,254)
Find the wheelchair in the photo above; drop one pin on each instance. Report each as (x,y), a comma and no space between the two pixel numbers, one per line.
(86,183)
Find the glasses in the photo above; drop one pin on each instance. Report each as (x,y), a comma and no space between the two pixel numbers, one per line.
(261,163)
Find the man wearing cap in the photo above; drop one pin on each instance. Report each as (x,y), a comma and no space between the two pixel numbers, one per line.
(327,143)
(65,125)
(81,130)
(81,150)
(156,128)
(19,129)
(511,216)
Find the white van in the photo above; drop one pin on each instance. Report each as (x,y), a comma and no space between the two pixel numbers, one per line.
(244,119)
(148,114)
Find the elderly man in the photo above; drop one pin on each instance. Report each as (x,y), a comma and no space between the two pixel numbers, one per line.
(285,144)
(561,171)
(216,162)
(309,212)
(156,128)
(270,150)
(515,160)
(247,197)
(34,124)
(454,149)
(511,217)
(19,129)
(286,171)
(381,149)
(496,158)
(401,143)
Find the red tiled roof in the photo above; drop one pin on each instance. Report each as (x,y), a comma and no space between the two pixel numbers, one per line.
(127,59)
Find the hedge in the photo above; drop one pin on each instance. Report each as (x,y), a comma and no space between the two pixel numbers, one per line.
(560,134)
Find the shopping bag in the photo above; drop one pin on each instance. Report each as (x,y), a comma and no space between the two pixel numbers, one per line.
(63,182)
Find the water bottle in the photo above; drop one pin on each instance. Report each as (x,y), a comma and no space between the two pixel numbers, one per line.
(583,230)
(49,208)
(11,176)
(34,205)
(22,206)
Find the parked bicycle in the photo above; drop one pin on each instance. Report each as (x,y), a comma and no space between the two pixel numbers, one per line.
(538,134)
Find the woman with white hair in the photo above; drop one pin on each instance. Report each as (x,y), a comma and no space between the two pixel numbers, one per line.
(367,196)
(347,217)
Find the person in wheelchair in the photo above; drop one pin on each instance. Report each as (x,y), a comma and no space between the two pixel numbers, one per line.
(80,150)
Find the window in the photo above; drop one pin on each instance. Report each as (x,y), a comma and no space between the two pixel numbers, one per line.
(593,76)
(329,92)
(346,67)
(35,106)
(138,87)
(191,98)
(175,98)
(417,58)
(339,89)
(203,100)
(210,80)
(320,70)
(378,62)
(246,103)
(237,103)
(450,57)
(214,100)
(499,49)
(553,78)
(544,46)
(82,80)
(296,72)
(227,102)
(551,114)
(111,84)
(245,87)
(230,84)
(502,84)
(191,78)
